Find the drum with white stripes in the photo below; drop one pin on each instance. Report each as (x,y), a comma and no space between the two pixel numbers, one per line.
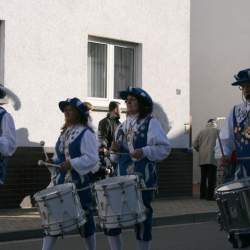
(60,209)
(119,202)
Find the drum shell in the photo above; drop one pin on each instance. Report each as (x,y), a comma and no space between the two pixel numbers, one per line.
(234,208)
(120,203)
(60,209)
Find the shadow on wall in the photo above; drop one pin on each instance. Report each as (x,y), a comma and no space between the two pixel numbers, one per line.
(22,136)
(161,115)
(24,176)
(178,141)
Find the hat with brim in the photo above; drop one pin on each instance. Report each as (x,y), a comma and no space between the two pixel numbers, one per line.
(137,92)
(3,95)
(75,102)
(242,78)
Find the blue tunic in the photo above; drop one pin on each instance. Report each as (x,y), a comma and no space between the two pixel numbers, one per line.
(3,160)
(82,182)
(144,168)
(242,145)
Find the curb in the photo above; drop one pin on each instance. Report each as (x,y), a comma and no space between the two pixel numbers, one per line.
(157,221)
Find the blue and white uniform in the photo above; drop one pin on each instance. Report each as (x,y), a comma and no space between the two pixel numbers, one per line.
(235,135)
(148,135)
(78,144)
(7,141)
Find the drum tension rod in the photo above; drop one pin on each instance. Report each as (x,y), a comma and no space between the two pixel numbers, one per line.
(105,190)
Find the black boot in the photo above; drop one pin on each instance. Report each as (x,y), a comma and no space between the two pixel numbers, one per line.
(233,240)
(245,240)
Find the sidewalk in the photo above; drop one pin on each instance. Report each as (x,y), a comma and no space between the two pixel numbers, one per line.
(18,224)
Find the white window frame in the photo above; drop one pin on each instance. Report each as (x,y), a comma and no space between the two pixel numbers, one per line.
(2,39)
(102,103)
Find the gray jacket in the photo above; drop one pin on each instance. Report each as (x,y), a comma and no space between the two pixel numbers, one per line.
(204,143)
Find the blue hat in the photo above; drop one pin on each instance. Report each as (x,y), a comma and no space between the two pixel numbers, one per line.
(212,120)
(137,92)
(2,91)
(75,102)
(242,77)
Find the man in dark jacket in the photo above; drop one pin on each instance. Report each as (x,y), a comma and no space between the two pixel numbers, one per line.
(108,125)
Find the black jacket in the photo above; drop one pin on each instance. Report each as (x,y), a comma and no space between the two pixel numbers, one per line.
(106,130)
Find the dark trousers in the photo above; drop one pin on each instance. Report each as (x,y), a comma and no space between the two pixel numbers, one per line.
(208,181)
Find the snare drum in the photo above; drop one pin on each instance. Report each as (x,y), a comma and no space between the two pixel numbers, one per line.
(119,202)
(233,199)
(60,209)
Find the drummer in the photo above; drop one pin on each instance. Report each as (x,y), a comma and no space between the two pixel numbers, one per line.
(7,135)
(76,152)
(142,137)
(236,136)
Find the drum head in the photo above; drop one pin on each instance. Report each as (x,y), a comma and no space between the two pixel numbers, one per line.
(48,192)
(234,185)
(114,181)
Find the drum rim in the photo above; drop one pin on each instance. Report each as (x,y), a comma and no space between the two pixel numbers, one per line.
(140,219)
(40,197)
(113,187)
(75,225)
(129,182)
(143,212)
(65,221)
(231,182)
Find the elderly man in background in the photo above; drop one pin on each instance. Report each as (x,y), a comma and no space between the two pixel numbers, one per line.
(204,144)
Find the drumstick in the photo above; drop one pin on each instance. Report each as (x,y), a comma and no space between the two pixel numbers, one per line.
(42,143)
(147,189)
(44,163)
(118,153)
(221,147)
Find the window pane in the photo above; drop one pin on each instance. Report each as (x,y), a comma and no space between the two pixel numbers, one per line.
(97,70)
(124,69)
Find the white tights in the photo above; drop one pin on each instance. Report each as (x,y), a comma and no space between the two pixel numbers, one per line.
(115,242)
(49,242)
(143,245)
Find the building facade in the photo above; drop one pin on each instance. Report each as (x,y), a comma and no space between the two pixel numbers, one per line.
(51,50)
(219,49)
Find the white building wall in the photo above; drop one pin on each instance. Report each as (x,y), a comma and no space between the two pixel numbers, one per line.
(46,56)
(220,38)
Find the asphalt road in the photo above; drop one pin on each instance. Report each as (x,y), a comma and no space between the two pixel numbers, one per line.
(196,236)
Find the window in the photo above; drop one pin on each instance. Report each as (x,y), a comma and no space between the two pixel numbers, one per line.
(97,70)
(112,67)
(1,52)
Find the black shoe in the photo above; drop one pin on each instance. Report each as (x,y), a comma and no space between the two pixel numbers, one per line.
(233,241)
(245,240)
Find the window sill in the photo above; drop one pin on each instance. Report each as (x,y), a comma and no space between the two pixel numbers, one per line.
(102,105)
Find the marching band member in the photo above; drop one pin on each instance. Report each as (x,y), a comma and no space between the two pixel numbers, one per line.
(7,135)
(143,139)
(235,135)
(76,151)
